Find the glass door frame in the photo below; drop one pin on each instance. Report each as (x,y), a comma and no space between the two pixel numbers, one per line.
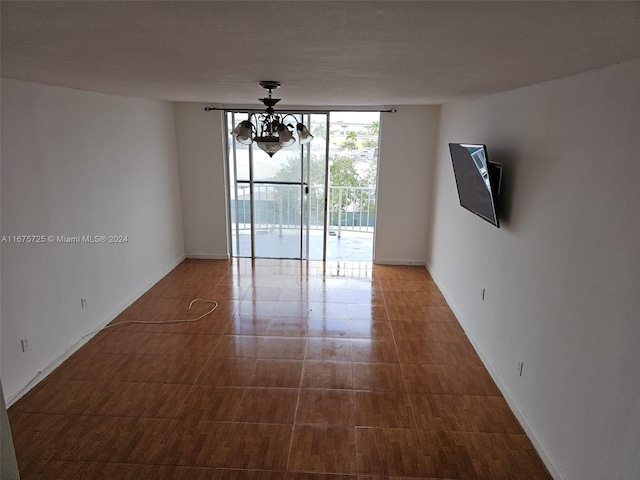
(304,186)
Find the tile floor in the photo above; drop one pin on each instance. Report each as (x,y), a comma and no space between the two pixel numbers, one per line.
(307,370)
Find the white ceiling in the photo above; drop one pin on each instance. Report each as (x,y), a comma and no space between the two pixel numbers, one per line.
(324,53)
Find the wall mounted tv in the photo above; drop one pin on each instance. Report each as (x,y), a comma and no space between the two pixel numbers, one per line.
(477,179)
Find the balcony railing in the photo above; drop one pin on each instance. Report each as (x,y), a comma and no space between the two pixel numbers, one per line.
(278,208)
(352,209)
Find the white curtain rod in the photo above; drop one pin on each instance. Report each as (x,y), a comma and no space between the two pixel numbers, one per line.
(306,110)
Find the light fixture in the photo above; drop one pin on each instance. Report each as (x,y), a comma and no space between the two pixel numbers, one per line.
(270,132)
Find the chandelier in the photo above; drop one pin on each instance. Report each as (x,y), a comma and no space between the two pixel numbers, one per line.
(269,130)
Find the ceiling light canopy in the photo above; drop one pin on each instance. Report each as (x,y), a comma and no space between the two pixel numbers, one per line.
(269,130)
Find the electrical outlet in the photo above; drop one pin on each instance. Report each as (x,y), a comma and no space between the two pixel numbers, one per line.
(520,366)
(83,303)
(25,344)
(482,293)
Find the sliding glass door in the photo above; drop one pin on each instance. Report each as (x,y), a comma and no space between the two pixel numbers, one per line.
(277,204)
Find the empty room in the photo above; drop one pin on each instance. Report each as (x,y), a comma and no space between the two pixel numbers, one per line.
(320,240)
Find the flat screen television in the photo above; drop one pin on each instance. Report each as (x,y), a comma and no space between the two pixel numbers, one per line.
(477,179)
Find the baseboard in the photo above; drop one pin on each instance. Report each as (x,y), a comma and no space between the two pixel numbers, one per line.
(419,263)
(205,256)
(89,334)
(520,416)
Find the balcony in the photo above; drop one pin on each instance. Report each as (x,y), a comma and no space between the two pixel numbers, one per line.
(279,215)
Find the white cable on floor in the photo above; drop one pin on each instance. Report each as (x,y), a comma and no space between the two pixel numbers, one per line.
(129,322)
(215,305)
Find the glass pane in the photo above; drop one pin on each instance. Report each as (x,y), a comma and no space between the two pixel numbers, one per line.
(284,166)
(315,170)
(353,165)
(277,217)
(240,223)
(241,151)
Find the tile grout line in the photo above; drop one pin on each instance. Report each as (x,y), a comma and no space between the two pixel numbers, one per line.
(295,413)
(195,381)
(402,370)
(353,396)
